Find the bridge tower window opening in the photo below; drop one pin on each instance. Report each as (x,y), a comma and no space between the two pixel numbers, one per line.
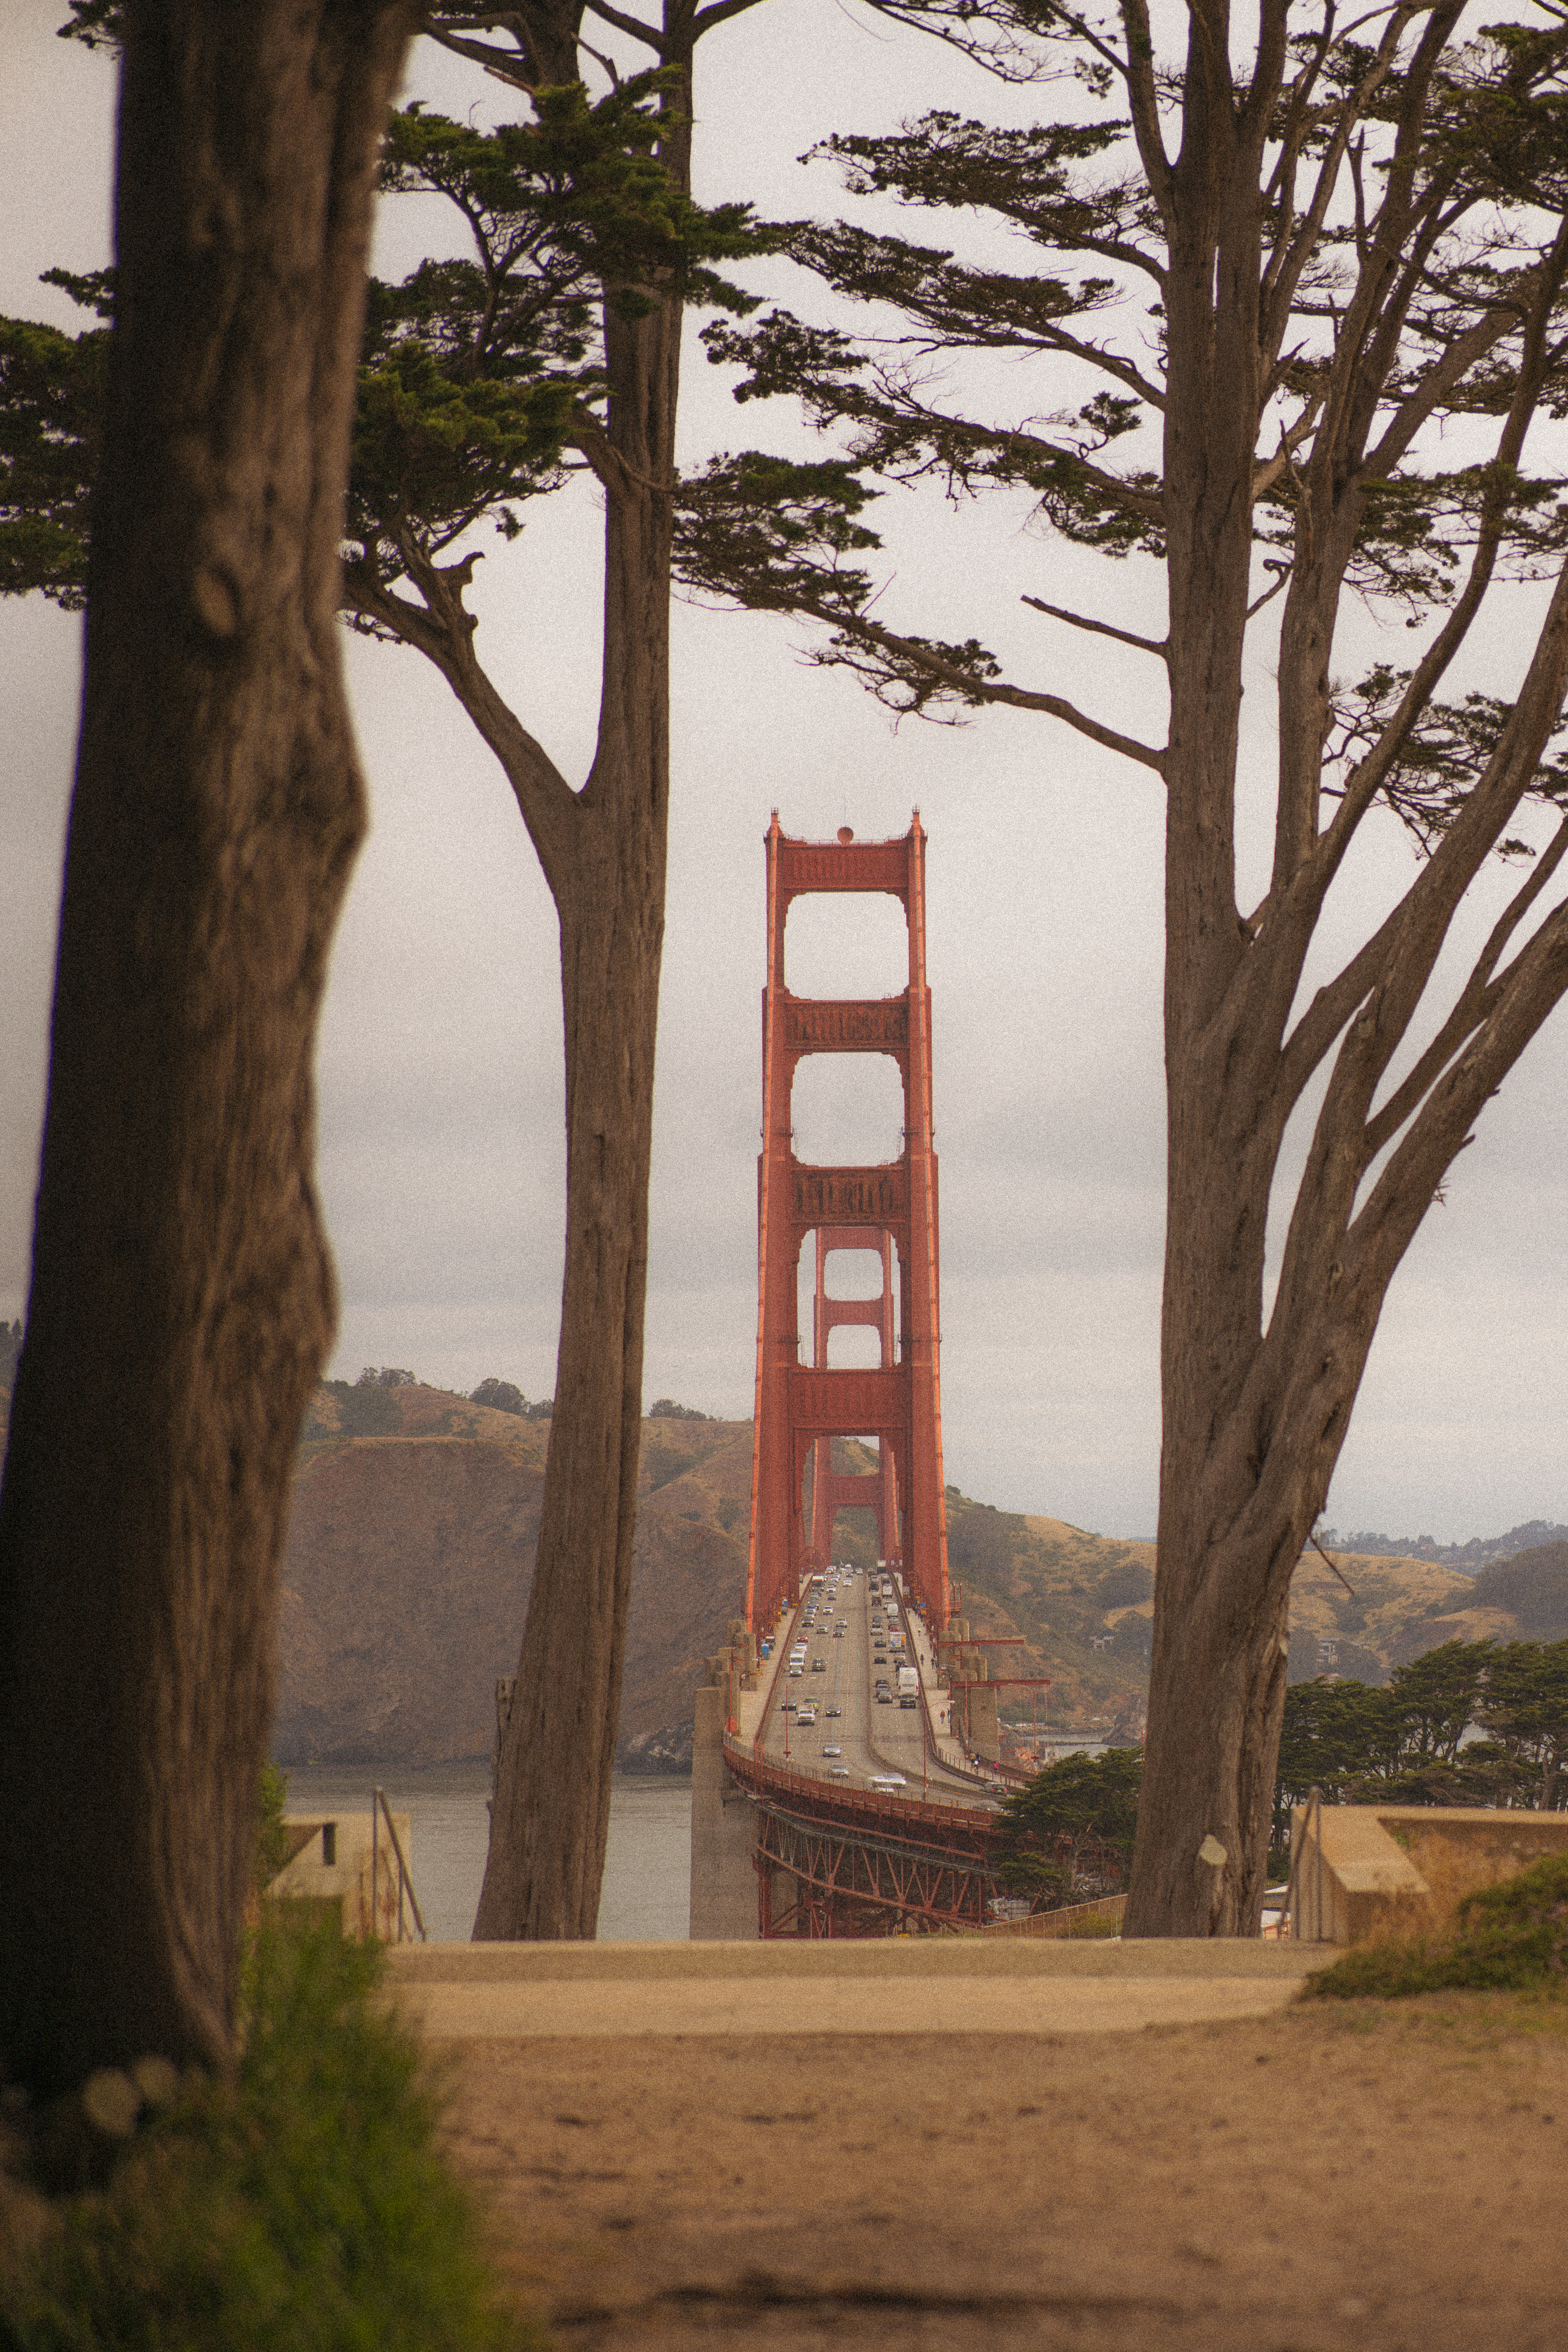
(841,1286)
(848,1110)
(849,1501)
(853,1350)
(836,949)
(854,1271)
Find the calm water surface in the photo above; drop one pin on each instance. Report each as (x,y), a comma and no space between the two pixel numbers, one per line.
(647,1869)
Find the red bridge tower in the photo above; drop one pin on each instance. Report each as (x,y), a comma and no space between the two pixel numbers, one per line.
(891,1208)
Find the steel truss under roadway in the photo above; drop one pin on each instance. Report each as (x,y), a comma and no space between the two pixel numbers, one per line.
(863,1867)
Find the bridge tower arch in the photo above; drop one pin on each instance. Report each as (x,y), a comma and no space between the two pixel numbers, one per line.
(890,1207)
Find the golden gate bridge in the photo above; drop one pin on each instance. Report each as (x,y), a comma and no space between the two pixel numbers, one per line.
(845,1781)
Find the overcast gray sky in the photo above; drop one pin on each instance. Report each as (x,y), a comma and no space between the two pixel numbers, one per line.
(440,1056)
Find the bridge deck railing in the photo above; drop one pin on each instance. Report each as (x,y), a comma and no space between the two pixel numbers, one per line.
(971,1824)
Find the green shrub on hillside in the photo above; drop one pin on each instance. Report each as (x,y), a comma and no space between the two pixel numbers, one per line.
(664,1464)
(274,1846)
(500,1396)
(1070,1830)
(303,2205)
(1512,1938)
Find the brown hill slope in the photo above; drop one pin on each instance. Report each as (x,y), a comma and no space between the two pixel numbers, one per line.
(410,1556)
(410,1548)
(1083,1606)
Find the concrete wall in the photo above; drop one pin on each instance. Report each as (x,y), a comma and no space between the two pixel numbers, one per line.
(985,1735)
(1359,1871)
(362,1860)
(724,1833)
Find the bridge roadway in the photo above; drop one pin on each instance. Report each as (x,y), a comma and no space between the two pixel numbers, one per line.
(860,1634)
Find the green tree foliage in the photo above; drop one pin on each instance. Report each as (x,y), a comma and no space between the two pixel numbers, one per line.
(274,1845)
(1071,1828)
(1524,1708)
(1089,235)
(1407,1745)
(367,1407)
(483,380)
(51,400)
(501,1396)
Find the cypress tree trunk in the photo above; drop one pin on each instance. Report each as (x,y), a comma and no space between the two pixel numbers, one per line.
(182,1299)
(605,859)
(1255,1407)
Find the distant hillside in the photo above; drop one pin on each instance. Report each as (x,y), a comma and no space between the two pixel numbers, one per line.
(1524,1598)
(411,1551)
(1468,1557)
(1084,1604)
(409,1561)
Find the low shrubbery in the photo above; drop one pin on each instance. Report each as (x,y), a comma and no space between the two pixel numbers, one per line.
(1415,1743)
(1067,1836)
(304,2204)
(1512,1938)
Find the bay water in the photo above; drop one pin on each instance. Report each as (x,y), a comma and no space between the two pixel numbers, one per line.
(647,1866)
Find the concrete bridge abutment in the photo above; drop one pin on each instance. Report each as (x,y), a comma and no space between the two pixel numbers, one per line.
(723,1821)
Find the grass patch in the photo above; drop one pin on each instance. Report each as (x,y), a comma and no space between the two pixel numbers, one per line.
(1511,1937)
(305,2203)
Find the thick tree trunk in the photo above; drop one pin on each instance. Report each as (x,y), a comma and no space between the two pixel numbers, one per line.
(1255,1410)
(1237,1504)
(552,1803)
(181,1296)
(1225,1547)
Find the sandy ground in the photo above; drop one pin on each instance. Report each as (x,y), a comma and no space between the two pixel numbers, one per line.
(1328,2176)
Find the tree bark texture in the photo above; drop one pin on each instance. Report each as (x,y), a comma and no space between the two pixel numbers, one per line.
(606,865)
(182,1301)
(1256,1406)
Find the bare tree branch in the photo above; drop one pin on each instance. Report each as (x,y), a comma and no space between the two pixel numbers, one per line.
(1158,646)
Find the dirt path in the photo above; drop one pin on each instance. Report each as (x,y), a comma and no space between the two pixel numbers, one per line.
(1391,2179)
